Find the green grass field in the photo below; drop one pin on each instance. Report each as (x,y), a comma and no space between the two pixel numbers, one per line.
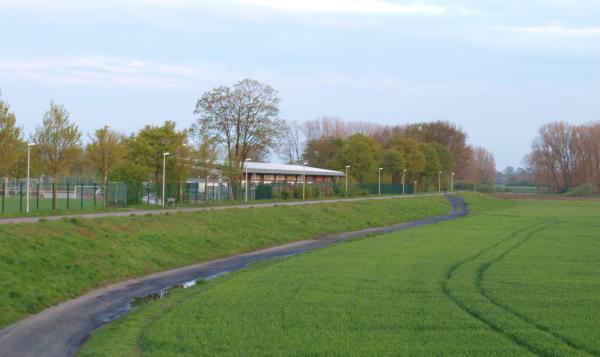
(44,263)
(510,280)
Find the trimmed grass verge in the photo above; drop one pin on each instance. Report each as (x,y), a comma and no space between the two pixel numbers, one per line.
(44,263)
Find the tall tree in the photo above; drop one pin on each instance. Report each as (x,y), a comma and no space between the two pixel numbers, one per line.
(429,176)
(104,151)
(292,147)
(393,163)
(360,152)
(483,166)
(206,158)
(243,118)
(59,143)
(11,140)
(147,147)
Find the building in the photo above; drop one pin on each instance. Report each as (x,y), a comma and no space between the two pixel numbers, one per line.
(267,173)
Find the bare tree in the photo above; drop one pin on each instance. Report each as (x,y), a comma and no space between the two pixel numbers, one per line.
(292,146)
(243,118)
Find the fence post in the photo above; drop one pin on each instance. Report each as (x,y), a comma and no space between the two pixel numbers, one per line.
(137,192)
(37,196)
(3,194)
(94,195)
(67,196)
(21,197)
(81,194)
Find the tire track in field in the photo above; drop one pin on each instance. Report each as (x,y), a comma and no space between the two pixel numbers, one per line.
(490,322)
(476,314)
(484,268)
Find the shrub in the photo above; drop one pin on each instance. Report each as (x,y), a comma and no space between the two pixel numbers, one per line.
(583,190)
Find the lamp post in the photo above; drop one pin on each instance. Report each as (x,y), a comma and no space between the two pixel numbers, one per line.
(304,179)
(403,173)
(379,179)
(246,166)
(347,167)
(29,145)
(165,154)
(415,187)
(452,182)
(439,181)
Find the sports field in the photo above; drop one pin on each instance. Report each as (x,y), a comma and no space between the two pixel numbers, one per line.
(511,280)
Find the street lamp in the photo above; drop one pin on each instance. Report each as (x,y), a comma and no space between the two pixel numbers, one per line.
(452,182)
(439,181)
(247,160)
(304,179)
(415,190)
(403,173)
(379,179)
(347,167)
(29,145)
(165,154)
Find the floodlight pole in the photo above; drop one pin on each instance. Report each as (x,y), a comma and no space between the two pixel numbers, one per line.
(29,145)
(347,167)
(165,154)
(246,167)
(379,180)
(304,179)
(452,182)
(439,181)
(403,173)
(415,190)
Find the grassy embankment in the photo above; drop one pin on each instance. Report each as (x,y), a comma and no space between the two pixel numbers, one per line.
(44,263)
(518,278)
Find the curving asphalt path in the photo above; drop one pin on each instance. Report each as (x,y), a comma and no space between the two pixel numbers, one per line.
(62,329)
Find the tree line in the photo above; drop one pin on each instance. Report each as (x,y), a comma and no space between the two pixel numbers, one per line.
(564,156)
(234,124)
(419,152)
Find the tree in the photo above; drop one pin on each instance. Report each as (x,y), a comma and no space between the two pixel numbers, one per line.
(58,142)
(147,147)
(104,151)
(292,147)
(207,157)
(429,176)
(360,152)
(416,162)
(11,141)
(394,163)
(243,118)
(320,152)
(483,166)
(132,174)
(448,135)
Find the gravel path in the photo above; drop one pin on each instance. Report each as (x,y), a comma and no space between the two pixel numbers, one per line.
(198,209)
(62,329)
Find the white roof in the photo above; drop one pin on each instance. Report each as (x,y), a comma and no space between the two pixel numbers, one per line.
(283,169)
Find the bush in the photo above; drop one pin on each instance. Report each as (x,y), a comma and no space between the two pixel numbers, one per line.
(285,195)
(583,190)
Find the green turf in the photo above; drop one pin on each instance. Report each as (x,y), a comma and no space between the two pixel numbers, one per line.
(44,263)
(518,280)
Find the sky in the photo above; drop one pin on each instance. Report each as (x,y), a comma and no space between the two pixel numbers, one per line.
(498,69)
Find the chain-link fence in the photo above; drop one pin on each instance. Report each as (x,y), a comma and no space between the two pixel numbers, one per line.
(16,198)
(88,196)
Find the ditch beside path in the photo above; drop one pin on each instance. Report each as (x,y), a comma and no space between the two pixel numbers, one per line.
(198,209)
(62,329)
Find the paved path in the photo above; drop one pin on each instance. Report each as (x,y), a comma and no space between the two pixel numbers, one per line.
(198,209)
(62,329)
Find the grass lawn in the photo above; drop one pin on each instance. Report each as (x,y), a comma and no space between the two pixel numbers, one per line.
(517,280)
(44,263)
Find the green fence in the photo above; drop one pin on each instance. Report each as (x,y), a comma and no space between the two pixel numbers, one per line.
(16,199)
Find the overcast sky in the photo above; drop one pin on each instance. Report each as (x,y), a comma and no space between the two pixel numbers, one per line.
(499,69)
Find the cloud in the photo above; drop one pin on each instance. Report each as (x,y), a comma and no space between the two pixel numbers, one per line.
(311,6)
(348,6)
(558,29)
(108,71)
